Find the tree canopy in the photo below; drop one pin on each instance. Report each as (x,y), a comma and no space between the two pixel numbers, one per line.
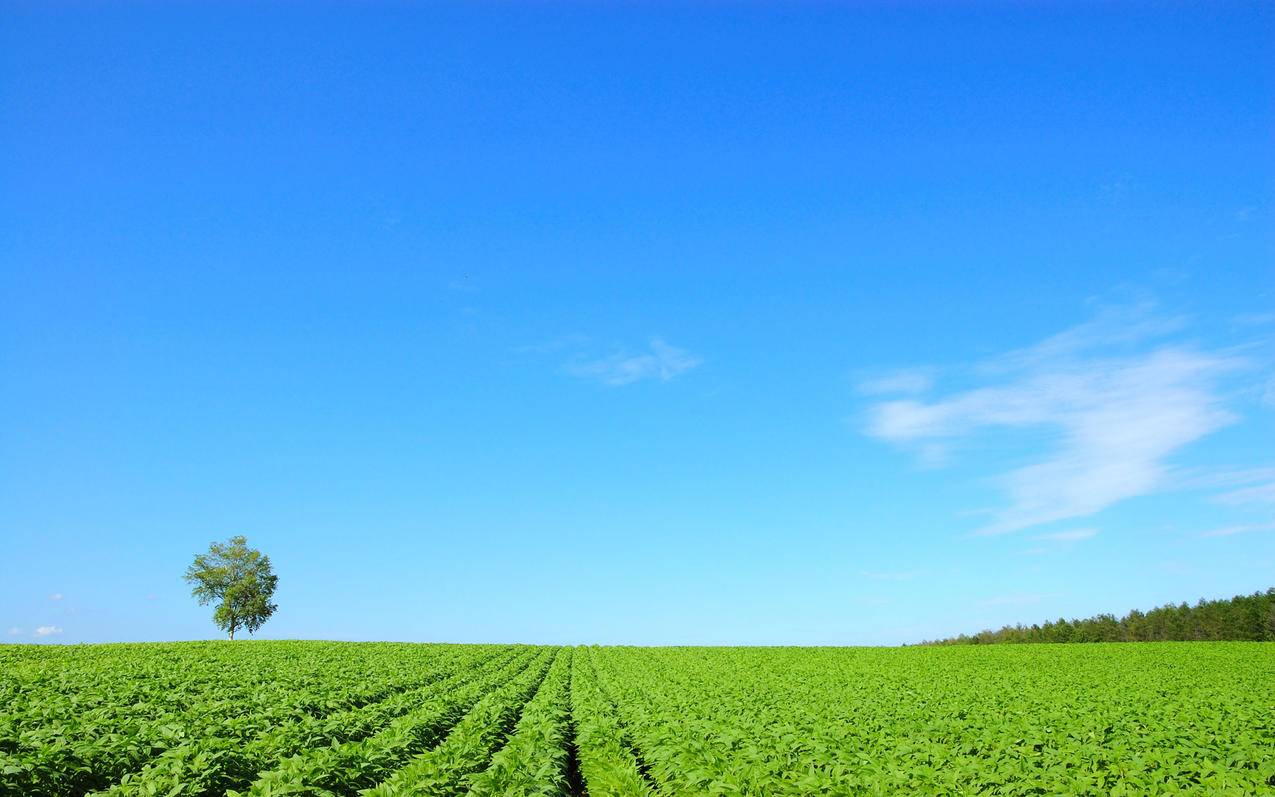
(1244,617)
(239,580)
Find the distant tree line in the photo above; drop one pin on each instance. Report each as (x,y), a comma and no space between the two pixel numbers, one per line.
(1244,617)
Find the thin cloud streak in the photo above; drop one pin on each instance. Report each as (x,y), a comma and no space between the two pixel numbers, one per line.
(1071,535)
(907,381)
(661,362)
(1257,494)
(901,575)
(1230,531)
(1019,599)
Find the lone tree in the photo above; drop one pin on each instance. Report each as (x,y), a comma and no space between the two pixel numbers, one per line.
(239,579)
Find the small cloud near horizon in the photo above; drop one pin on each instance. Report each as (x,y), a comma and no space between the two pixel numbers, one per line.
(47,630)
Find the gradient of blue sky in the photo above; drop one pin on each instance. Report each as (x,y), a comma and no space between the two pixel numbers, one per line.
(635,324)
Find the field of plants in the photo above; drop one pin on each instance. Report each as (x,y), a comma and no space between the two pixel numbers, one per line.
(328,718)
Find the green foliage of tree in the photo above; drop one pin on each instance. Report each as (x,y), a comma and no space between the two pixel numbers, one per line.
(239,579)
(1242,618)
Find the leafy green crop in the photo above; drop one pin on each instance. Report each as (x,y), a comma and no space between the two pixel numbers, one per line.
(387,720)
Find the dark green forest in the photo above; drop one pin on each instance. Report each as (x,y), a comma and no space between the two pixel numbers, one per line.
(1244,617)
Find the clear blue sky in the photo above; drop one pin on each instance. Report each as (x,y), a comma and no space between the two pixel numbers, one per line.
(635,324)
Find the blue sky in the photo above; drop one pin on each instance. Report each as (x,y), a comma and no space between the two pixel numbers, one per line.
(635,324)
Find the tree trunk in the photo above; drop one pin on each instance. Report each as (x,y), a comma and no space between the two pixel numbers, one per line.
(232,634)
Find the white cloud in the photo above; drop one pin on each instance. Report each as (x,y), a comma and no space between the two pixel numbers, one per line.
(1070,535)
(48,630)
(57,596)
(15,631)
(907,381)
(1228,531)
(661,361)
(1118,411)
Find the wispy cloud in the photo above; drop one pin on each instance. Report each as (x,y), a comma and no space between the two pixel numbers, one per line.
(907,381)
(15,631)
(1254,319)
(1119,406)
(1019,599)
(1239,486)
(57,596)
(660,361)
(1115,191)
(553,345)
(1258,493)
(48,630)
(1070,535)
(1247,528)
(1056,542)
(892,575)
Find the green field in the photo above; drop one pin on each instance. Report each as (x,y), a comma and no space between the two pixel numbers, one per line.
(327,718)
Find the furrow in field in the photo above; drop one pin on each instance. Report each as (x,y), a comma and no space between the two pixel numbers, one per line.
(535,760)
(660,718)
(469,745)
(698,731)
(345,768)
(212,764)
(607,765)
(575,780)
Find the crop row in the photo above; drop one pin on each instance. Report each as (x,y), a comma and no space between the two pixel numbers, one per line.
(345,768)
(214,763)
(1119,719)
(223,731)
